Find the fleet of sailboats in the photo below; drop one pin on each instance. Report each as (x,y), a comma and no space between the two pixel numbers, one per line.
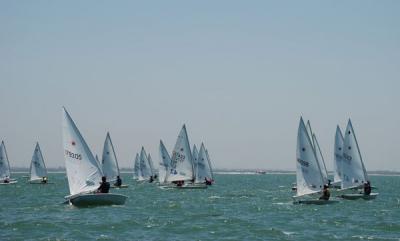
(192,169)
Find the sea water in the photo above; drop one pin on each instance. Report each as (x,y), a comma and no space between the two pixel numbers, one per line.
(237,207)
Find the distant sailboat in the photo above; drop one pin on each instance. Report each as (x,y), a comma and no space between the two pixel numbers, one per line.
(144,170)
(338,158)
(136,168)
(38,171)
(203,170)
(353,169)
(308,173)
(164,164)
(109,160)
(181,169)
(110,163)
(151,165)
(5,175)
(83,171)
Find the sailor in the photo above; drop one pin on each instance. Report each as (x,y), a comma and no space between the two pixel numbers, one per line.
(6,179)
(44,180)
(325,193)
(367,188)
(118,183)
(104,186)
(207,181)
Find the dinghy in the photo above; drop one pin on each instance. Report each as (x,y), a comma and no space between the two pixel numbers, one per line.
(38,171)
(145,173)
(5,175)
(151,166)
(338,157)
(308,172)
(203,170)
(354,173)
(83,171)
(181,169)
(136,168)
(110,163)
(164,164)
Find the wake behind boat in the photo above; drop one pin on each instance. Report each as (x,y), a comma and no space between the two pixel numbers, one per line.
(83,171)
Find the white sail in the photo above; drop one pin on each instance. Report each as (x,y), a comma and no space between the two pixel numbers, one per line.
(203,169)
(145,172)
(4,163)
(109,160)
(353,169)
(83,171)
(181,168)
(320,159)
(151,165)
(338,156)
(164,163)
(195,156)
(209,164)
(308,173)
(136,168)
(38,167)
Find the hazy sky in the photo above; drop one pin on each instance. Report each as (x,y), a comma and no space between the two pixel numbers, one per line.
(238,73)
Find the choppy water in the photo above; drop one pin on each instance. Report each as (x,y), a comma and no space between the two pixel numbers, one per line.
(238,207)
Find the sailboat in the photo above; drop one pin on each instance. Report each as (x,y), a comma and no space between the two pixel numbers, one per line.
(354,174)
(83,171)
(308,172)
(145,173)
(203,170)
(318,154)
(5,175)
(38,171)
(338,157)
(181,170)
(136,168)
(195,155)
(151,166)
(164,165)
(110,163)
(210,166)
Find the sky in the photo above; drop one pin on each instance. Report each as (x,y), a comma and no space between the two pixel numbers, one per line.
(239,74)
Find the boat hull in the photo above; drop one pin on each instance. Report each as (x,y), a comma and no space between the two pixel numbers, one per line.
(316,202)
(98,199)
(7,183)
(355,196)
(190,186)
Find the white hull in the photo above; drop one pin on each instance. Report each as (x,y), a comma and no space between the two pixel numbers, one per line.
(355,196)
(316,202)
(97,199)
(11,182)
